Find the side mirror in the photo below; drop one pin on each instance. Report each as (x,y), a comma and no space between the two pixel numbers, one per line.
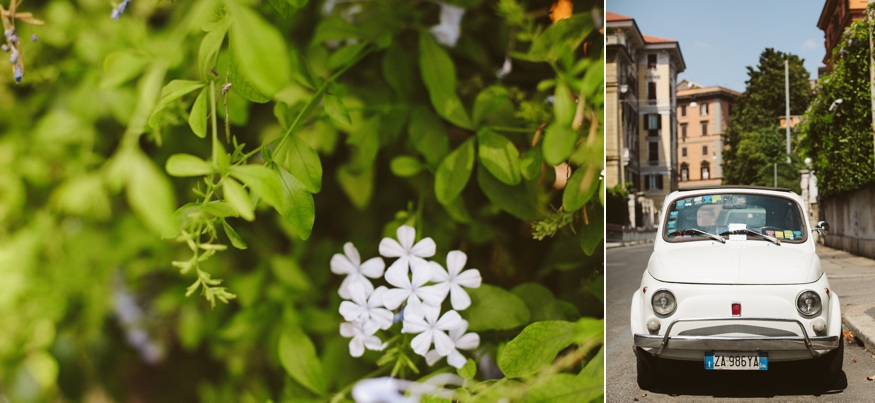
(822,227)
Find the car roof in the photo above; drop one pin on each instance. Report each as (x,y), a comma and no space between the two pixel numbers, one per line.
(724,187)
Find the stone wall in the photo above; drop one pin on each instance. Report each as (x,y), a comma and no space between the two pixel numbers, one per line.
(851,217)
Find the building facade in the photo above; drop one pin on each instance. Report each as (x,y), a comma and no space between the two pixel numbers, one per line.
(834,18)
(703,115)
(640,119)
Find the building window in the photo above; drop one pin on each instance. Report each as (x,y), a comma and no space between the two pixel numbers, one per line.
(651,61)
(705,128)
(654,182)
(683,110)
(685,171)
(705,150)
(651,90)
(706,170)
(653,152)
(683,131)
(703,109)
(683,151)
(652,123)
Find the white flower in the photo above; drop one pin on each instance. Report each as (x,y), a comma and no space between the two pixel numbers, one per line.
(453,279)
(414,291)
(407,253)
(423,319)
(364,306)
(448,31)
(461,340)
(356,271)
(505,68)
(362,334)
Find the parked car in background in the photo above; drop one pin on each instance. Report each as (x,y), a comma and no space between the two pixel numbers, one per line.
(734,283)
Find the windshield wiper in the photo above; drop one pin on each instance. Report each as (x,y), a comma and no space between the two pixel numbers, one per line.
(694,231)
(746,231)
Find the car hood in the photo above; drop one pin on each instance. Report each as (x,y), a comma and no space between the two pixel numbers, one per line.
(726,264)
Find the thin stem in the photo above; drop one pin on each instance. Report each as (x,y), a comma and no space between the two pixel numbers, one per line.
(214,123)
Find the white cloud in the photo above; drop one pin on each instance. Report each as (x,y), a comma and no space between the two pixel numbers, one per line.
(700,44)
(810,44)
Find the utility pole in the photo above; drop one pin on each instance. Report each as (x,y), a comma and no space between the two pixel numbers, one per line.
(787,99)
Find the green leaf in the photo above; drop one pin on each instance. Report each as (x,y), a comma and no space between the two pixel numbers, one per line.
(345,55)
(580,188)
(238,197)
(488,100)
(535,347)
(240,84)
(428,135)
(288,8)
(516,200)
(298,208)
(197,119)
(397,68)
(499,156)
(208,52)
(591,234)
(298,356)
(404,166)
(563,36)
(530,166)
(219,209)
(121,67)
(181,219)
(594,78)
(468,370)
(494,308)
(335,109)
(259,50)
(183,165)
(304,163)
(563,105)
(171,92)
(589,331)
(558,143)
(540,301)
(233,236)
(149,193)
(595,368)
(263,182)
(148,89)
(566,388)
(357,185)
(453,173)
(439,76)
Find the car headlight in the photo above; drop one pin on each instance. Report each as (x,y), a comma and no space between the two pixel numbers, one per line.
(808,303)
(663,302)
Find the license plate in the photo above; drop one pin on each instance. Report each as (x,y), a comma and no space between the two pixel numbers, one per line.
(751,361)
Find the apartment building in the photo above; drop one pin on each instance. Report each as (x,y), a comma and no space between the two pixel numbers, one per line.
(834,18)
(703,115)
(640,114)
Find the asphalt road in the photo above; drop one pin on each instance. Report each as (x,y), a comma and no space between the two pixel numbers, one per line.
(689,381)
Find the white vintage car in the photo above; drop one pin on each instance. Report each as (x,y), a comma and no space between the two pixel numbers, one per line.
(734,282)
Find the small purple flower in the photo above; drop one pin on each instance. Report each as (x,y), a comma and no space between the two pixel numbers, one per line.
(850,41)
(18,74)
(841,53)
(33,38)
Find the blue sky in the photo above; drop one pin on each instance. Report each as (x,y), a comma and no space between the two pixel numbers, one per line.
(719,39)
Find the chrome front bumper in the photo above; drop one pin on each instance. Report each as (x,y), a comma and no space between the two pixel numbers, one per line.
(715,343)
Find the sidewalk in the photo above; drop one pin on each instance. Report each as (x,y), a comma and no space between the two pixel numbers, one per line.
(853,278)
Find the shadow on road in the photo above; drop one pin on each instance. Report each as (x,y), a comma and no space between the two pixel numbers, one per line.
(677,378)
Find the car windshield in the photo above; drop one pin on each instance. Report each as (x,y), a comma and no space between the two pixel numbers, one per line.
(708,216)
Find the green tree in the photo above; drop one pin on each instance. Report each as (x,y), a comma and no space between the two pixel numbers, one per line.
(838,136)
(754,140)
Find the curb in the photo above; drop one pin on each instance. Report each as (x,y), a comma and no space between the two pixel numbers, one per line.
(861,325)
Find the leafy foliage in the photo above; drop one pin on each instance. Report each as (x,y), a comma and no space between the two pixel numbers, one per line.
(755,142)
(156,151)
(839,141)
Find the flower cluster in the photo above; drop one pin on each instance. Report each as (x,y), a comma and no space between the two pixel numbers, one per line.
(418,289)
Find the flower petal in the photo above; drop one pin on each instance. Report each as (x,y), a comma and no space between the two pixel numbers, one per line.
(424,248)
(456,262)
(421,275)
(397,273)
(394,297)
(431,357)
(347,330)
(341,265)
(457,332)
(351,311)
(373,268)
(356,347)
(459,298)
(375,300)
(469,278)
(450,320)
(406,236)
(352,253)
(456,359)
(373,343)
(382,317)
(469,341)
(391,248)
(432,295)
(422,342)
(358,293)
(438,273)
(442,343)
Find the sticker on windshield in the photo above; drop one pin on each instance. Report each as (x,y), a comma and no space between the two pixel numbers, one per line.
(680,204)
(788,234)
(779,234)
(669,232)
(717,199)
(672,224)
(697,200)
(707,199)
(673,215)
(797,234)
(770,232)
